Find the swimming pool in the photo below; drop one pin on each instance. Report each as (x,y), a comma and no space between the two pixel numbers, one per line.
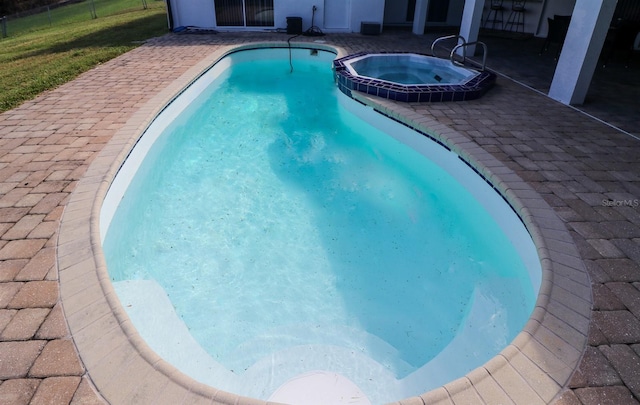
(310,150)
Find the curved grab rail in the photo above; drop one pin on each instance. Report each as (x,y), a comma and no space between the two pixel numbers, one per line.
(458,37)
(464,53)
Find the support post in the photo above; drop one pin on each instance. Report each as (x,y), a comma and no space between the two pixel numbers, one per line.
(588,29)
(470,25)
(420,16)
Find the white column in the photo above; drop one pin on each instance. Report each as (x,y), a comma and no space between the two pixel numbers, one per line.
(471,20)
(588,29)
(420,16)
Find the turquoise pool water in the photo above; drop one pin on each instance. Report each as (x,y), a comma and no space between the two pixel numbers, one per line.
(290,235)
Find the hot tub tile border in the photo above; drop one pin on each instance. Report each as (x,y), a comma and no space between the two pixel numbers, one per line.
(472,89)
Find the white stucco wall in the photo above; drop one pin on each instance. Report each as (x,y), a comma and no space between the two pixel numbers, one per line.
(366,10)
(395,12)
(197,13)
(330,15)
(298,8)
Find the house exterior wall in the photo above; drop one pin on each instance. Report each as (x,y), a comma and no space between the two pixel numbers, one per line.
(366,10)
(197,13)
(330,15)
(395,14)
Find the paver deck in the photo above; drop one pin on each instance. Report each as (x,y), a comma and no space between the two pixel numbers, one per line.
(587,222)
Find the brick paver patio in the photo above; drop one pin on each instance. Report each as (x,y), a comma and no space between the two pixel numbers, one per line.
(587,171)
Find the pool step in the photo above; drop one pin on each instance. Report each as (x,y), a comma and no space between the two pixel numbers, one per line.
(319,388)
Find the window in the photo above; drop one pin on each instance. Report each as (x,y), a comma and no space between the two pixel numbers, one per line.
(241,13)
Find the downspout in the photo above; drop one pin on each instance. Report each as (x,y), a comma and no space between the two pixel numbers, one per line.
(169,15)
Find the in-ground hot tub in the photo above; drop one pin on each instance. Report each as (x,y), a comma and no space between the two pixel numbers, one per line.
(409,69)
(410,77)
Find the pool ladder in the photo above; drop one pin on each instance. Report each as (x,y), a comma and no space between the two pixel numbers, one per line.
(462,46)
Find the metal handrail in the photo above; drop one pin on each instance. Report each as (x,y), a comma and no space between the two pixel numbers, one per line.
(464,53)
(458,37)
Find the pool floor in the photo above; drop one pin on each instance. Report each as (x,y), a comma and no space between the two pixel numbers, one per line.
(336,197)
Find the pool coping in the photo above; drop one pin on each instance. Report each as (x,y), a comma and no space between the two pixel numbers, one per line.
(532,369)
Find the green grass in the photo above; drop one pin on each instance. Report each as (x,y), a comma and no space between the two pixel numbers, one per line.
(35,58)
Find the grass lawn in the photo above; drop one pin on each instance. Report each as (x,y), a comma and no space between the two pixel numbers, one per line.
(38,57)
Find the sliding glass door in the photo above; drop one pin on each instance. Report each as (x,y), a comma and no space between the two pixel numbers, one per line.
(244,13)
(259,13)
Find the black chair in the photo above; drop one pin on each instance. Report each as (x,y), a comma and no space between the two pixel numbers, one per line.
(516,17)
(558,27)
(621,38)
(495,7)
